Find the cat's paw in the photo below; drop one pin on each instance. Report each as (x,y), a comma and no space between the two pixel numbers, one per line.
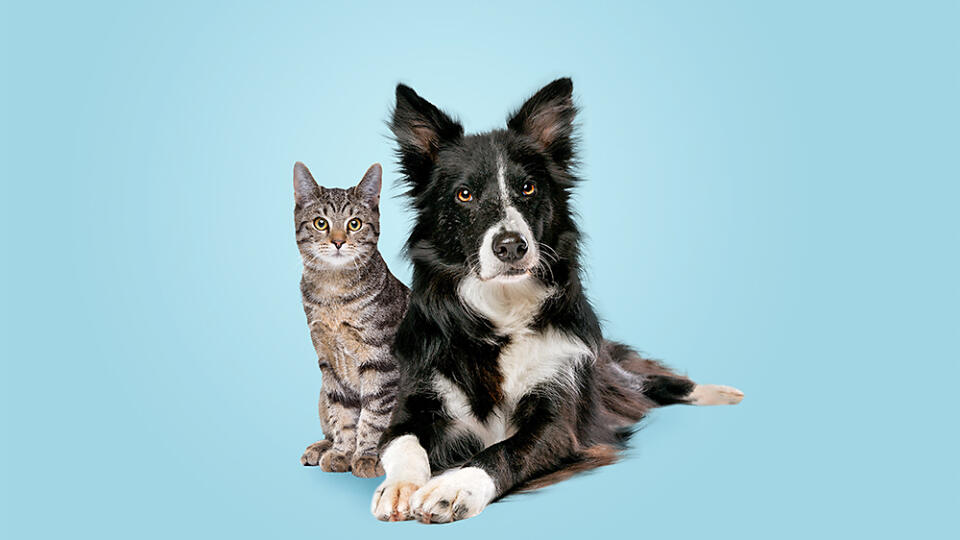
(311,456)
(391,501)
(454,495)
(366,466)
(334,460)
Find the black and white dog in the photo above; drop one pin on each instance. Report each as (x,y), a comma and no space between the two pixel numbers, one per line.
(506,380)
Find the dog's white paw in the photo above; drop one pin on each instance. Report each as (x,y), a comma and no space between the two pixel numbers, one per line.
(407,468)
(391,501)
(454,495)
(715,394)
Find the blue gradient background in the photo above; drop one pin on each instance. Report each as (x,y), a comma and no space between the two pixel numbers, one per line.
(771,202)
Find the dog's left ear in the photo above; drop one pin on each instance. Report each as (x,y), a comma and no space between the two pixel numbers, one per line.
(369,187)
(421,130)
(547,119)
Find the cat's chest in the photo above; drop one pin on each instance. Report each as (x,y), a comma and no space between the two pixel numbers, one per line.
(333,318)
(337,330)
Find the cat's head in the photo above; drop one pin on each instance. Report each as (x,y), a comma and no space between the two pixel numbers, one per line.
(337,228)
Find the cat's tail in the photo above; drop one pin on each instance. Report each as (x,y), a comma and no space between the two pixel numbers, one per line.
(632,385)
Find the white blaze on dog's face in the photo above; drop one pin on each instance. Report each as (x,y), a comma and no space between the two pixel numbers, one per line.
(509,251)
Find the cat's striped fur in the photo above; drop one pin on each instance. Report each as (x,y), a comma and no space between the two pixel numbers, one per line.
(353,305)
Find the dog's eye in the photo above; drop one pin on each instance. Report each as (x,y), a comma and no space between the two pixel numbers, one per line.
(464,195)
(354,224)
(320,224)
(528,189)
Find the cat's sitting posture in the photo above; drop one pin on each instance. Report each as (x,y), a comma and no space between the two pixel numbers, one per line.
(353,306)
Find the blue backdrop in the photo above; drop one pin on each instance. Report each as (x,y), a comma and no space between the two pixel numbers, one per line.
(771,202)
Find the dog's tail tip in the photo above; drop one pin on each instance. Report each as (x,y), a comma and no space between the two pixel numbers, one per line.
(714,394)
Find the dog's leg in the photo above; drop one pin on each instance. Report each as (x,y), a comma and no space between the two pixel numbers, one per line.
(407,468)
(417,420)
(542,442)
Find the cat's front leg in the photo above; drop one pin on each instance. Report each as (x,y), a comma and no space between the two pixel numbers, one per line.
(378,396)
(340,410)
(311,456)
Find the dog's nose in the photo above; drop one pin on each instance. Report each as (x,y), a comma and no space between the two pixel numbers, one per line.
(509,246)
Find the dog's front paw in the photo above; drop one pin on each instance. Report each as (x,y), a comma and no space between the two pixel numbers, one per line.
(391,501)
(311,456)
(334,460)
(366,466)
(454,495)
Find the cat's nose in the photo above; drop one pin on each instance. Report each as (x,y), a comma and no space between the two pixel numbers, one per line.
(509,247)
(338,243)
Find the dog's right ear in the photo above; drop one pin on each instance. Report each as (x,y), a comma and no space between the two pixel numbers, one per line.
(421,130)
(547,120)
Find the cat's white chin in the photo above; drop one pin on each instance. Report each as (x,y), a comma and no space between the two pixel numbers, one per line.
(338,260)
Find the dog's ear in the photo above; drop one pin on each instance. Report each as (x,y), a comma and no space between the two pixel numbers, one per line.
(421,130)
(369,187)
(547,119)
(305,188)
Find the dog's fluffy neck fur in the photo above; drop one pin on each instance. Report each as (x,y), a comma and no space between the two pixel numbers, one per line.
(510,306)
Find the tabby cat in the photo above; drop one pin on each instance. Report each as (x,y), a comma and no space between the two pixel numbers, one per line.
(353,306)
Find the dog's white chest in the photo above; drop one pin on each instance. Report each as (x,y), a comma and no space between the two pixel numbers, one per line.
(533,361)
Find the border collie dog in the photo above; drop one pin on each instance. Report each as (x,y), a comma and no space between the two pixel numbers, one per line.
(506,380)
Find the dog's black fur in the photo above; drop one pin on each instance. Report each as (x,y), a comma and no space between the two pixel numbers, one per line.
(558,428)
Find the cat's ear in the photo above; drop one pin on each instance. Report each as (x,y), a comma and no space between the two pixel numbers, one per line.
(547,119)
(369,187)
(421,130)
(305,188)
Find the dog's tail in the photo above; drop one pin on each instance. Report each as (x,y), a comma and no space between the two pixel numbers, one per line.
(632,385)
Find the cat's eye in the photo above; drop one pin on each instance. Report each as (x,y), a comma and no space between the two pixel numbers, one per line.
(464,195)
(320,224)
(528,189)
(354,224)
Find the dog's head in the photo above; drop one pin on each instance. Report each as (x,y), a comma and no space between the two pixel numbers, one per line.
(492,205)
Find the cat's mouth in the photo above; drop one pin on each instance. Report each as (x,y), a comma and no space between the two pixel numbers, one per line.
(336,257)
